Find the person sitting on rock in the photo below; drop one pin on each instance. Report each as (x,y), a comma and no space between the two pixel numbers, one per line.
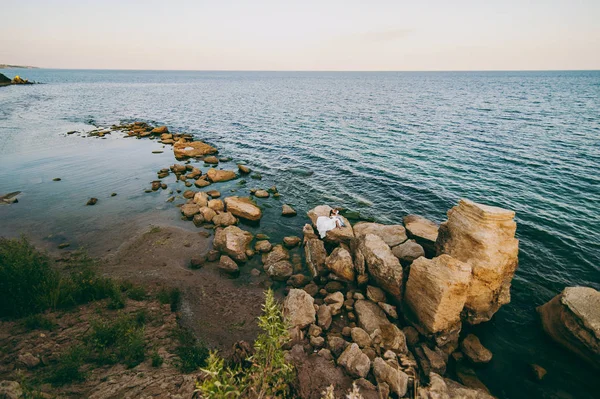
(335,213)
(325,223)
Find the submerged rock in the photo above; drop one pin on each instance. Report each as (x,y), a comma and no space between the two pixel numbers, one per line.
(211,159)
(244,169)
(483,237)
(572,319)
(92,201)
(227,265)
(261,194)
(243,207)
(215,175)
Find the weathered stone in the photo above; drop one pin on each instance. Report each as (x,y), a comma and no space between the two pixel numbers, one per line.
(474,350)
(211,159)
(216,205)
(314,330)
(483,237)
(160,130)
(291,241)
(370,316)
(315,256)
(423,231)
(538,371)
(436,292)
(384,268)
(287,210)
(408,251)
(189,210)
(224,219)
(335,302)
(243,208)
(233,242)
(261,194)
(244,169)
(27,360)
(354,361)
(337,235)
(317,342)
(361,337)
(392,235)
(324,317)
(188,194)
(10,390)
(192,149)
(572,319)
(336,344)
(277,254)
(216,176)
(201,183)
(442,388)
(396,379)
(228,265)
(341,264)
(334,286)
(279,271)
(263,246)
(390,310)
(207,213)
(311,288)
(298,308)
(375,294)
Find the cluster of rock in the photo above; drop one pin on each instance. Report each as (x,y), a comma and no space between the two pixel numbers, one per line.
(387,302)
(17,80)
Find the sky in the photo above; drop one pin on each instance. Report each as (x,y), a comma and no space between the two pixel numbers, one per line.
(375,35)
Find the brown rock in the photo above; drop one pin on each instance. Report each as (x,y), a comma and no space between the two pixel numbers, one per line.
(291,241)
(201,199)
(298,280)
(337,235)
(227,265)
(483,237)
(160,130)
(315,256)
(233,242)
(188,194)
(324,317)
(27,360)
(474,350)
(224,219)
(263,246)
(277,254)
(279,271)
(396,379)
(436,292)
(375,294)
(215,175)
(361,337)
(192,149)
(207,213)
(287,210)
(261,194)
(423,231)
(92,201)
(298,308)
(538,371)
(408,251)
(201,183)
(213,193)
(355,361)
(216,205)
(211,159)
(384,268)
(189,210)
(243,208)
(340,263)
(572,319)
(392,235)
(244,169)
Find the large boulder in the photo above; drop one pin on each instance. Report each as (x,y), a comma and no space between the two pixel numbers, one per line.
(392,234)
(316,256)
(443,388)
(192,149)
(370,316)
(277,254)
(233,241)
(383,267)
(243,207)
(483,237)
(338,235)
(298,308)
(436,293)
(341,264)
(423,231)
(224,219)
(356,363)
(216,176)
(408,251)
(572,319)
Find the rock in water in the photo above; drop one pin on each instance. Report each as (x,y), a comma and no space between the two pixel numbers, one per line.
(194,149)
(474,350)
(287,210)
(483,237)
(383,267)
(215,175)
(423,231)
(392,234)
(243,208)
(224,219)
(228,265)
(92,201)
(160,130)
(298,308)
(244,169)
(211,159)
(436,293)
(233,241)
(572,319)
(262,194)
(341,264)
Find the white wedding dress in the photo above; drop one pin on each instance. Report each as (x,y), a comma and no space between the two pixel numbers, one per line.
(324,224)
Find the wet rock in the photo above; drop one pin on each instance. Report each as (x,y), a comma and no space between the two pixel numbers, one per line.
(213,193)
(354,361)
(215,175)
(436,292)
(396,379)
(160,130)
(183,150)
(375,294)
(92,201)
(197,263)
(27,360)
(324,317)
(277,254)
(312,289)
(316,255)
(334,286)
(228,265)
(261,194)
(291,241)
(337,235)
(188,194)
(263,246)
(177,168)
(483,237)
(408,251)
(201,199)
(287,210)
(423,231)
(361,337)
(216,205)
(279,271)
(200,183)
(340,263)
(392,235)
(336,344)
(63,245)
(198,219)
(243,208)
(233,242)
(189,210)
(224,219)
(572,319)
(113,194)
(207,213)
(298,308)
(384,268)
(255,272)
(211,159)
(537,371)
(244,169)
(57,179)
(474,350)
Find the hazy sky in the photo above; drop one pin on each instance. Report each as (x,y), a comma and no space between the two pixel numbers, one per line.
(302,35)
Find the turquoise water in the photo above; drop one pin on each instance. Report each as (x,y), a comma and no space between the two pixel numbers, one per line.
(383,144)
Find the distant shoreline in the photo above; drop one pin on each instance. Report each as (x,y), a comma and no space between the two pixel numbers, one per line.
(8,66)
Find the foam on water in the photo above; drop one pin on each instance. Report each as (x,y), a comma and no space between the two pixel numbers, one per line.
(383,144)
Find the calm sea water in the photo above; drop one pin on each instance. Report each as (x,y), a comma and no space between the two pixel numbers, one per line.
(382,144)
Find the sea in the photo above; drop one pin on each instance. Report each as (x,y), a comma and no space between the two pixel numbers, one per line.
(379,144)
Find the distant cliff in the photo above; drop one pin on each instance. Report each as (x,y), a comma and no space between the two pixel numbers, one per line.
(4,66)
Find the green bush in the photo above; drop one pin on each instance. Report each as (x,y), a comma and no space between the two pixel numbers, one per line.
(171,296)
(26,278)
(192,354)
(269,376)
(119,340)
(68,368)
(137,293)
(38,322)
(157,360)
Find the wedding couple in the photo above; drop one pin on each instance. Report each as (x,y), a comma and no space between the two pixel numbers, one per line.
(326,223)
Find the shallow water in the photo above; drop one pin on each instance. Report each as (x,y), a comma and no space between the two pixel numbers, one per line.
(383,144)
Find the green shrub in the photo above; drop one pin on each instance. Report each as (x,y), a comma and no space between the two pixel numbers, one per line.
(68,368)
(117,301)
(157,360)
(269,376)
(38,322)
(137,293)
(171,296)
(119,340)
(26,278)
(192,354)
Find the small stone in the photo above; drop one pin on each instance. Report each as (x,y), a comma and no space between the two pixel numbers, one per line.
(113,195)
(336,344)
(298,280)
(317,342)
(212,255)
(244,169)
(354,361)
(375,294)
(538,371)
(63,245)
(57,179)
(228,265)
(287,210)
(325,354)
(312,289)
(335,302)
(263,246)
(291,241)
(334,286)
(92,201)
(361,337)
(261,194)
(324,317)
(28,360)
(197,263)
(314,330)
(474,350)
(390,310)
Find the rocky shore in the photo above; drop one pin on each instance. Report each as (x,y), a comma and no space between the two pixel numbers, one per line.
(17,80)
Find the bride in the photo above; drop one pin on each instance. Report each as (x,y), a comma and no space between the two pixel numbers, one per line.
(324,223)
